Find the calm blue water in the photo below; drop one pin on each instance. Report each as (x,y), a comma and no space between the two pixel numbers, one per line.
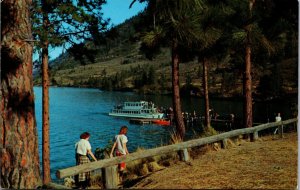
(76,110)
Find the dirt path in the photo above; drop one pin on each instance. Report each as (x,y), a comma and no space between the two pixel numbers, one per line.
(265,164)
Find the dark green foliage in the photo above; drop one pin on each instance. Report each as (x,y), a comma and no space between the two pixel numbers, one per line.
(150,52)
(102,153)
(267,87)
(146,76)
(69,22)
(106,84)
(188,89)
(188,80)
(125,61)
(162,82)
(82,53)
(151,75)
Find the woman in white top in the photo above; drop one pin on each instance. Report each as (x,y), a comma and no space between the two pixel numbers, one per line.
(278,117)
(83,148)
(121,146)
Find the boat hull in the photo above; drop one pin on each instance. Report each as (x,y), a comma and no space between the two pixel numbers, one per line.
(161,122)
(143,116)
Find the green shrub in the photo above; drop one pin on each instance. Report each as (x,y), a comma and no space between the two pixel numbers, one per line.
(102,153)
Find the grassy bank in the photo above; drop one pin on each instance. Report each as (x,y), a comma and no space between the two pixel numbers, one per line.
(270,163)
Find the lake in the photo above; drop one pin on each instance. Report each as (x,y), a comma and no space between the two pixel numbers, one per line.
(76,110)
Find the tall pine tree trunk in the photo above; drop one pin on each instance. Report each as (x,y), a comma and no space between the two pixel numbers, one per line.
(248,89)
(247,75)
(45,106)
(206,98)
(18,141)
(180,128)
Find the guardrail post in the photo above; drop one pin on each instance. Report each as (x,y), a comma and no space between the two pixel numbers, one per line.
(255,135)
(280,131)
(185,155)
(224,143)
(111,177)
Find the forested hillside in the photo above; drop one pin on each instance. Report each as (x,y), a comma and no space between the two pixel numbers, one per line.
(122,62)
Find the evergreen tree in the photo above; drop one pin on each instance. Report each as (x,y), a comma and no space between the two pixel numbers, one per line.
(278,20)
(56,22)
(251,29)
(206,47)
(151,75)
(212,42)
(19,142)
(176,22)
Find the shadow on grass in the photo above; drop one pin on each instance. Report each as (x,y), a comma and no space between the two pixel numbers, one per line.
(131,182)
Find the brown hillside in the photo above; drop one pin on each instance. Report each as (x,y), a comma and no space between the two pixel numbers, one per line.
(225,80)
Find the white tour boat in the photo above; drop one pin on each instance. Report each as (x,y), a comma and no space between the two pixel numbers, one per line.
(141,109)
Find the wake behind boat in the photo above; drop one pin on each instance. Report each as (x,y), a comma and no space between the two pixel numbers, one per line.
(141,109)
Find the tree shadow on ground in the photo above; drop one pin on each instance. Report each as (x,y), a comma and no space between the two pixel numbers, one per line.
(131,182)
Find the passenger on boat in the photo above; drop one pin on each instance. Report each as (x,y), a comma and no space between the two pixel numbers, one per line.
(83,148)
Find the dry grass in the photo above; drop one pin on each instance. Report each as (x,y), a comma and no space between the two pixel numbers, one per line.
(175,137)
(145,166)
(96,182)
(265,164)
(209,131)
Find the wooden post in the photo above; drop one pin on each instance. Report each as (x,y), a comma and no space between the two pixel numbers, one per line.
(111,177)
(255,135)
(224,143)
(184,155)
(280,131)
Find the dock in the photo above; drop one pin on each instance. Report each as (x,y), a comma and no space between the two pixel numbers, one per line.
(141,121)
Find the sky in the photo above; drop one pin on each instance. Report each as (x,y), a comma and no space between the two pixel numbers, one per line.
(117,10)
